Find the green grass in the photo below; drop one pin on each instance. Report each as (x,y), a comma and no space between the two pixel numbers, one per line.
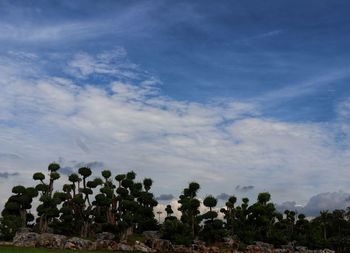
(7,249)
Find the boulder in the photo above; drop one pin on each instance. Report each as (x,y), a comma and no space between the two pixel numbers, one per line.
(106,245)
(26,239)
(125,247)
(159,244)
(213,249)
(231,242)
(260,247)
(76,243)
(181,249)
(105,236)
(139,246)
(51,241)
(282,251)
(3,243)
(199,246)
(301,249)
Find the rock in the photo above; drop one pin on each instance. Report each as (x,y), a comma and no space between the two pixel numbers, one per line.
(106,245)
(125,247)
(159,244)
(213,249)
(75,243)
(282,251)
(301,249)
(51,241)
(105,236)
(181,249)
(139,246)
(27,239)
(199,246)
(264,245)
(231,242)
(260,247)
(3,243)
(151,234)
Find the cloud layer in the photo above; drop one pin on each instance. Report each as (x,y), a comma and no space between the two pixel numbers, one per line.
(129,124)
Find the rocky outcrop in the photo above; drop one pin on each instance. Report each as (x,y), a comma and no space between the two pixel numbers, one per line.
(26,239)
(106,245)
(139,246)
(231,242)
(125,247)
(152,244)
(161,245)
(181,249)
(76,243)
(51,241)
(261,247)
(2,243)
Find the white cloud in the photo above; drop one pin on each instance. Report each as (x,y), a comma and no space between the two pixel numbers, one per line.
(128,126)
(327,201)
(112,63)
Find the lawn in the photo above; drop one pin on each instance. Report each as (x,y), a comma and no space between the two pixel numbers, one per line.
(7,249)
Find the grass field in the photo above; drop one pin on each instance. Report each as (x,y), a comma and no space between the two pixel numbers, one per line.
(7,249)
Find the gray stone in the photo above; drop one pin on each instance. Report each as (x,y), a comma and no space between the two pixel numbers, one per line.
(51,241)
(181,249)
(139,246)
(125,247)
(76,243)
(27,239)
(159,244)
(106,245)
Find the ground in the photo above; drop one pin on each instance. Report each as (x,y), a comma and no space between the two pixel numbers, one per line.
(8,249)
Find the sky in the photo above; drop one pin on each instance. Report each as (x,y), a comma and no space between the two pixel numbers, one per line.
(240,96)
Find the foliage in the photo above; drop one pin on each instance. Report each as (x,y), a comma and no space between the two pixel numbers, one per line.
(120,204)
(177,232)
(189,207)
(213,229)
(8,226)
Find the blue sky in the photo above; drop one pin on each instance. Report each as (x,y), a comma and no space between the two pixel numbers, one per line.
(227,93)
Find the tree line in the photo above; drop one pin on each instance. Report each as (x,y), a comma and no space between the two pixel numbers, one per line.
(122,205)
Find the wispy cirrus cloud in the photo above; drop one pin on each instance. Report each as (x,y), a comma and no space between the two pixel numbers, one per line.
(305,87)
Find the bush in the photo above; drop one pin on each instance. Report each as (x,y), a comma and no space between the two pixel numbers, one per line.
(9,225)
(176,232)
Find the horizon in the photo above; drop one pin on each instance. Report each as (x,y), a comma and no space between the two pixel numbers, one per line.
(242,97)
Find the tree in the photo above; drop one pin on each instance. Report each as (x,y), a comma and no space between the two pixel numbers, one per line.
(47,210)
(190,207)
(213,228)
(169,213)
(17,213)
(262,216)
(230,214)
